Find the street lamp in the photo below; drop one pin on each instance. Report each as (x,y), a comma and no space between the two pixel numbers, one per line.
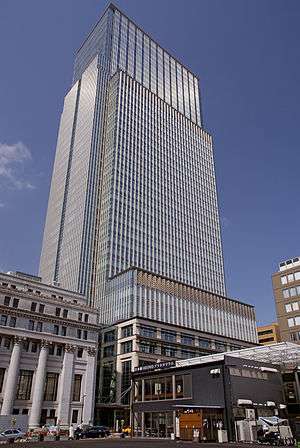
(82,406)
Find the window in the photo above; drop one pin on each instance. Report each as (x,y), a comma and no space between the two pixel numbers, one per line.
(75,416)
(16,411)
(6,343)
(51,386)
(12,322)
(108,351)
(288,308)
(41,308)
(59,350)
(86,318)
(126,347)
(291,322)
(33,306)
(77,387)
(3,320)
(285,293)
(39,326)
(126,382)
(63,331)
(65,313)
(24,385)
(26,345)
(147,347)
(183,386)
(57,312)
(25,411)
(168,351)
(290,278)
(168,335)
(51,349)
(204,343)
(108,383)
(6,300)
(292,307)
(127,331)
(55,329)
(187,339)
(220,346)
(109,336)
(283,280)
(15,303)
(34,347)
(2,373)
(80,317)
(85,335)
(293,292)
(31,325)
(149,332)
(80,353)
(297,275)
(79,333)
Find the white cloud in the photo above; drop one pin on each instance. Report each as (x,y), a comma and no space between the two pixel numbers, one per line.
(2,205)
(12,159)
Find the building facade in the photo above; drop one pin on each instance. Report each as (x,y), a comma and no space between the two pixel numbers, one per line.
(133,186)
(286,288)
(139,342)
(48,352)
(172,399)
(268,334)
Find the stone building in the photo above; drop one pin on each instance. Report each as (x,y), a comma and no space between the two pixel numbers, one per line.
(48,348)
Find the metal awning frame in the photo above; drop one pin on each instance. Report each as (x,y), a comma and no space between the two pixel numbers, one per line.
(284,354)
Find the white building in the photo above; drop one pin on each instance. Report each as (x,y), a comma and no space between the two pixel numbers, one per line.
(48,348)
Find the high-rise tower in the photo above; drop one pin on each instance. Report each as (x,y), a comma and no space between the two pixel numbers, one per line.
(132,218)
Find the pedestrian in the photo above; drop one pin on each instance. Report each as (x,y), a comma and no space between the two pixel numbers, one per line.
(71,432)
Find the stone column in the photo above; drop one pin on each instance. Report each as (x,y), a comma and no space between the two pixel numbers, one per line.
(12,377)
(65,387)
(39,386)
(90,386)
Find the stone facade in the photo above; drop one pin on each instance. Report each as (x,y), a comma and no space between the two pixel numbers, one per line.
(48,348)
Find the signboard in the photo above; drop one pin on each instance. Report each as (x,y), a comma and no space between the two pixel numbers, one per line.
(157,366)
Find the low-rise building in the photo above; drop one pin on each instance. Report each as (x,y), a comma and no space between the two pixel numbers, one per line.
(140,342)
(268,334)
(48,352)
(227,391)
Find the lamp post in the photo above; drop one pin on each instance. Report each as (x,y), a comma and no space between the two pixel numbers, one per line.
(82,406)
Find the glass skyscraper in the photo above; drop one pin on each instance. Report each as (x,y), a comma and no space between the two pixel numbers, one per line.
(132,218)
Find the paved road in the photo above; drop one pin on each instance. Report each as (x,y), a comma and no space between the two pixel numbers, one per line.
(127,443)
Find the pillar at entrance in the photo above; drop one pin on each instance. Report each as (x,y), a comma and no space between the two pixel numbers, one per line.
(89,390)
(65,387)
(39,386)
(12,377)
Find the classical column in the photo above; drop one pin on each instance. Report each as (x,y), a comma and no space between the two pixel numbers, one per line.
(65,386)
(39,386)
(12,377)
(90,385)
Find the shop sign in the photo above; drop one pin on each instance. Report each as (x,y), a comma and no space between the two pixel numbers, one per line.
(157,366)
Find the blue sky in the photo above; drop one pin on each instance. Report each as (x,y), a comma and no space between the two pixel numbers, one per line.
(246,54)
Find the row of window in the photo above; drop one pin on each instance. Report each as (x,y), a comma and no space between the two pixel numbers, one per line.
(24,386)
(33,347)
(293,321)
(39,307)
(12,286)
(166,335)
(290,278)
(38,326)
(292,307)
(291,292)
(165,388)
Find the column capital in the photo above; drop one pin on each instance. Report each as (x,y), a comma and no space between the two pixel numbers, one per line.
(18,340)
(91,351)
(45,343)
(70,348)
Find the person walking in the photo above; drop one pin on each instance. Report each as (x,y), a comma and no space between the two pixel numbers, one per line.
(71,432)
